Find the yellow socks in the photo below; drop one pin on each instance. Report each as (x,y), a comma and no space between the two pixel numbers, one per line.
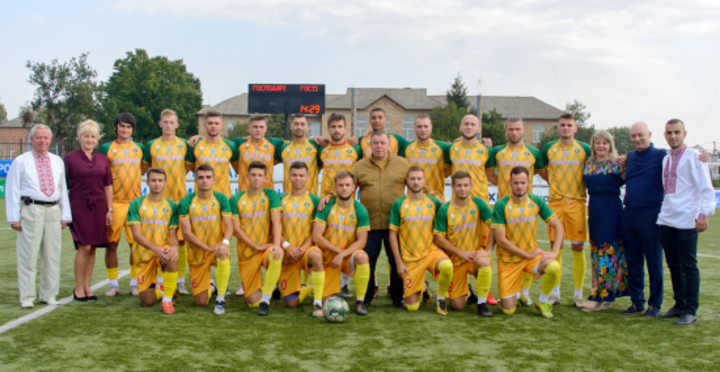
(446,274)
(362,278)
(579,266)
(252,306)
(171,284)
(304,292)
(182,262)
(508,312)
(551,279)
(304,278)
(112,273)
(484,278)
(318,281)
(222,277)
(158,295)
(413,307)
(527,279)
(272,275)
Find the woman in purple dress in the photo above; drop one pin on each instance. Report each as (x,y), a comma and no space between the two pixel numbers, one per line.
(90,182)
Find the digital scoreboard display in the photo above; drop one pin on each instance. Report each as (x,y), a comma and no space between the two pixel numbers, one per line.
(286,99)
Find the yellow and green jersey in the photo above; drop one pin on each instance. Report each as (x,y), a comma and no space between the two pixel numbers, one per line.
(206,222)
(336,158)
(432,158)
(397,144)
(249,152)
(253,212)
(170,156)
(126,166)
(306,152)
(507,158)
(341,225)
(473,159)
(298,213)
(221,155)
(520,224)
(462,226)
(156,219)
(565,169)
(414,222)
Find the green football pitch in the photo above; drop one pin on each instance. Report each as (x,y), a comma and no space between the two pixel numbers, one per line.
(119,334)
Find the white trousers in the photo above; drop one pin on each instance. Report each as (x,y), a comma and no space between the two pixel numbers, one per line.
(41,231)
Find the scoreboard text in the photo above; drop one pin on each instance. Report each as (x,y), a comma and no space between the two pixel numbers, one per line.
(286,98)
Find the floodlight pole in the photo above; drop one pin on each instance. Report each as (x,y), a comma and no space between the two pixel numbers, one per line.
(287,127)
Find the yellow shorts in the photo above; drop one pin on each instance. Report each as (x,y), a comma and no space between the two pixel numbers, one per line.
(332,277)
(571,213)
(459,284)
(146,273)
(415,282)
(250,272)
(485,234)
(510,275)
(119,213)
(290,277)
(200,275)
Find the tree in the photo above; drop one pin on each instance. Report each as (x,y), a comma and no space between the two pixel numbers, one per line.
(493,127)
(446,121)
(585,130)
(458,93)
(144,87)
(3,113)
(65,96)
(622,139)
(275,128)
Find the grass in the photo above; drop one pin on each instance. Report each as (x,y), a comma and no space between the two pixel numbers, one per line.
(119,334)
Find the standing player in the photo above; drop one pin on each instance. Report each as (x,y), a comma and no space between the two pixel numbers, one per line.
(298,212)
(458,232)
(257,148)
(125,158)
(515,229)
(154,223)
(516,152)
(206,222)
(412,219)
(565,159)
(255,211)
(338,155)
(341,230)
(301,149)
(377,121)
(169,153)
(215,150)
(429,154)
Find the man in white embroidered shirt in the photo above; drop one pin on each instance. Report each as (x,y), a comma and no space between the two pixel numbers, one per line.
(689,199)
(37,207)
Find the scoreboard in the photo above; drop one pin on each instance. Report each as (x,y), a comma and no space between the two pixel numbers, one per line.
(286,99)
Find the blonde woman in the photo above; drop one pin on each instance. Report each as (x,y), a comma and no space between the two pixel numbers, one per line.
(89,179)
(603,176)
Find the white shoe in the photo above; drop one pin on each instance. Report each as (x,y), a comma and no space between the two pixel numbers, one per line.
(219,308)
(554,299)
(181,289)
(113,291)
(27,304)
(50,301)
(578,301)
(240,291)
(525,301)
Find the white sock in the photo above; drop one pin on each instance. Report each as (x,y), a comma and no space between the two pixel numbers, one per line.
(440,297)
(578,293)
(220,297)
(160,281)
(167,299)
(543,298)
(345,280)
(482,300)
(266,298)
(359,299)
(317,302)
(526,292)
(113,283)
(181,281)
(556,291)
(518,295)
(133,282)
(376,282)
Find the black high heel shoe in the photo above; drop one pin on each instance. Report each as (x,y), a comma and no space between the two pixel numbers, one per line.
(76,298)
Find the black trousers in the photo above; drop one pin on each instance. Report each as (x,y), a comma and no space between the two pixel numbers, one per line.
(641,240)
(376,239)
(681,255)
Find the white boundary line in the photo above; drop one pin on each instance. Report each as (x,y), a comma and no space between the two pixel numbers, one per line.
(699,254)
(36,314)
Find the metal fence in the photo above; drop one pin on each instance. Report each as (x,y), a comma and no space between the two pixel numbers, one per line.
(9,150)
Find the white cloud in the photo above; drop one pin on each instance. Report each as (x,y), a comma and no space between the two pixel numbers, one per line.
(37,18)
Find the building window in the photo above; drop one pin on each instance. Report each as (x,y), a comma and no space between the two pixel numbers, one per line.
(231,125)
(408,127)
(315,129)
(361,125)
(538,131)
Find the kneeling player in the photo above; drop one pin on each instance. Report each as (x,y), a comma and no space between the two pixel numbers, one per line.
(153,220)
(206,222)
(515,229)
(412,219)
(458,231)
(298,212)
(341,230)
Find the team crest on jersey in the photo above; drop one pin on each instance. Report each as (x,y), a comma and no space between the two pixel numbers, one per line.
(306,204)
(531,205)
(352,216)
(481,151)
(214,203)
(526,153)
(433,149)
(224,149)
(472,212)
(308,148)
(429,205)
(348,151)
(265,145)
(577,150)
(262,200)
(135,150)
(179,146)
(165,209)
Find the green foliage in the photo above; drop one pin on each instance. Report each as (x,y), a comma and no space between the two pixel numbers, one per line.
(446,121)
(458,93)
(3,113)
(275,128)
(547,137)
(145,86)
(493,127)
(622,139)
(65,96)
(585,130)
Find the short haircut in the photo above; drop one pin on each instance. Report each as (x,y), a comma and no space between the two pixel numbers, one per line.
(676,121)
(344,174)
(415,168)
(518,169)
(126,118)
(297,165)
(336,117)
(89,126)
(39,126)
(423,116)
(299,116)
(460,175)
(378,109)
(205,167)
(257,117)
(567,115)
(514,119)
(168,112)
(213,114)
(157,170)
(257,165)
(379,133)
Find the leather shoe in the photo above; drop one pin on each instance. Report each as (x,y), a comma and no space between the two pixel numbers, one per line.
(634,309)
(50,301)
(672,313)
(651,312)
(26,304)
(76,298)
(686,319)
(400,304)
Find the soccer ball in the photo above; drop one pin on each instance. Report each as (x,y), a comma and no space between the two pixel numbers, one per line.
(335,310)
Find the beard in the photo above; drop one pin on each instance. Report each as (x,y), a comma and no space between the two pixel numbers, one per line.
(345,198)
(418,190)
(469,138)
(519,195)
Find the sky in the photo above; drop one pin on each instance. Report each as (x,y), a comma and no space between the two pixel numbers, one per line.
(627,61)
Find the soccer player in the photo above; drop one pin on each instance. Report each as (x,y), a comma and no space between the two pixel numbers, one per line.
(516,152)
(153,220)
(377,121)
(298,212)
(206,223)
(169,153)
(338,155)
(257,218)
(565,159)
(125,158)
(300,149)
(458,231)
(412,219)
(429,154)
(515,228)
(341,231)
(257,148)
(215,150)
